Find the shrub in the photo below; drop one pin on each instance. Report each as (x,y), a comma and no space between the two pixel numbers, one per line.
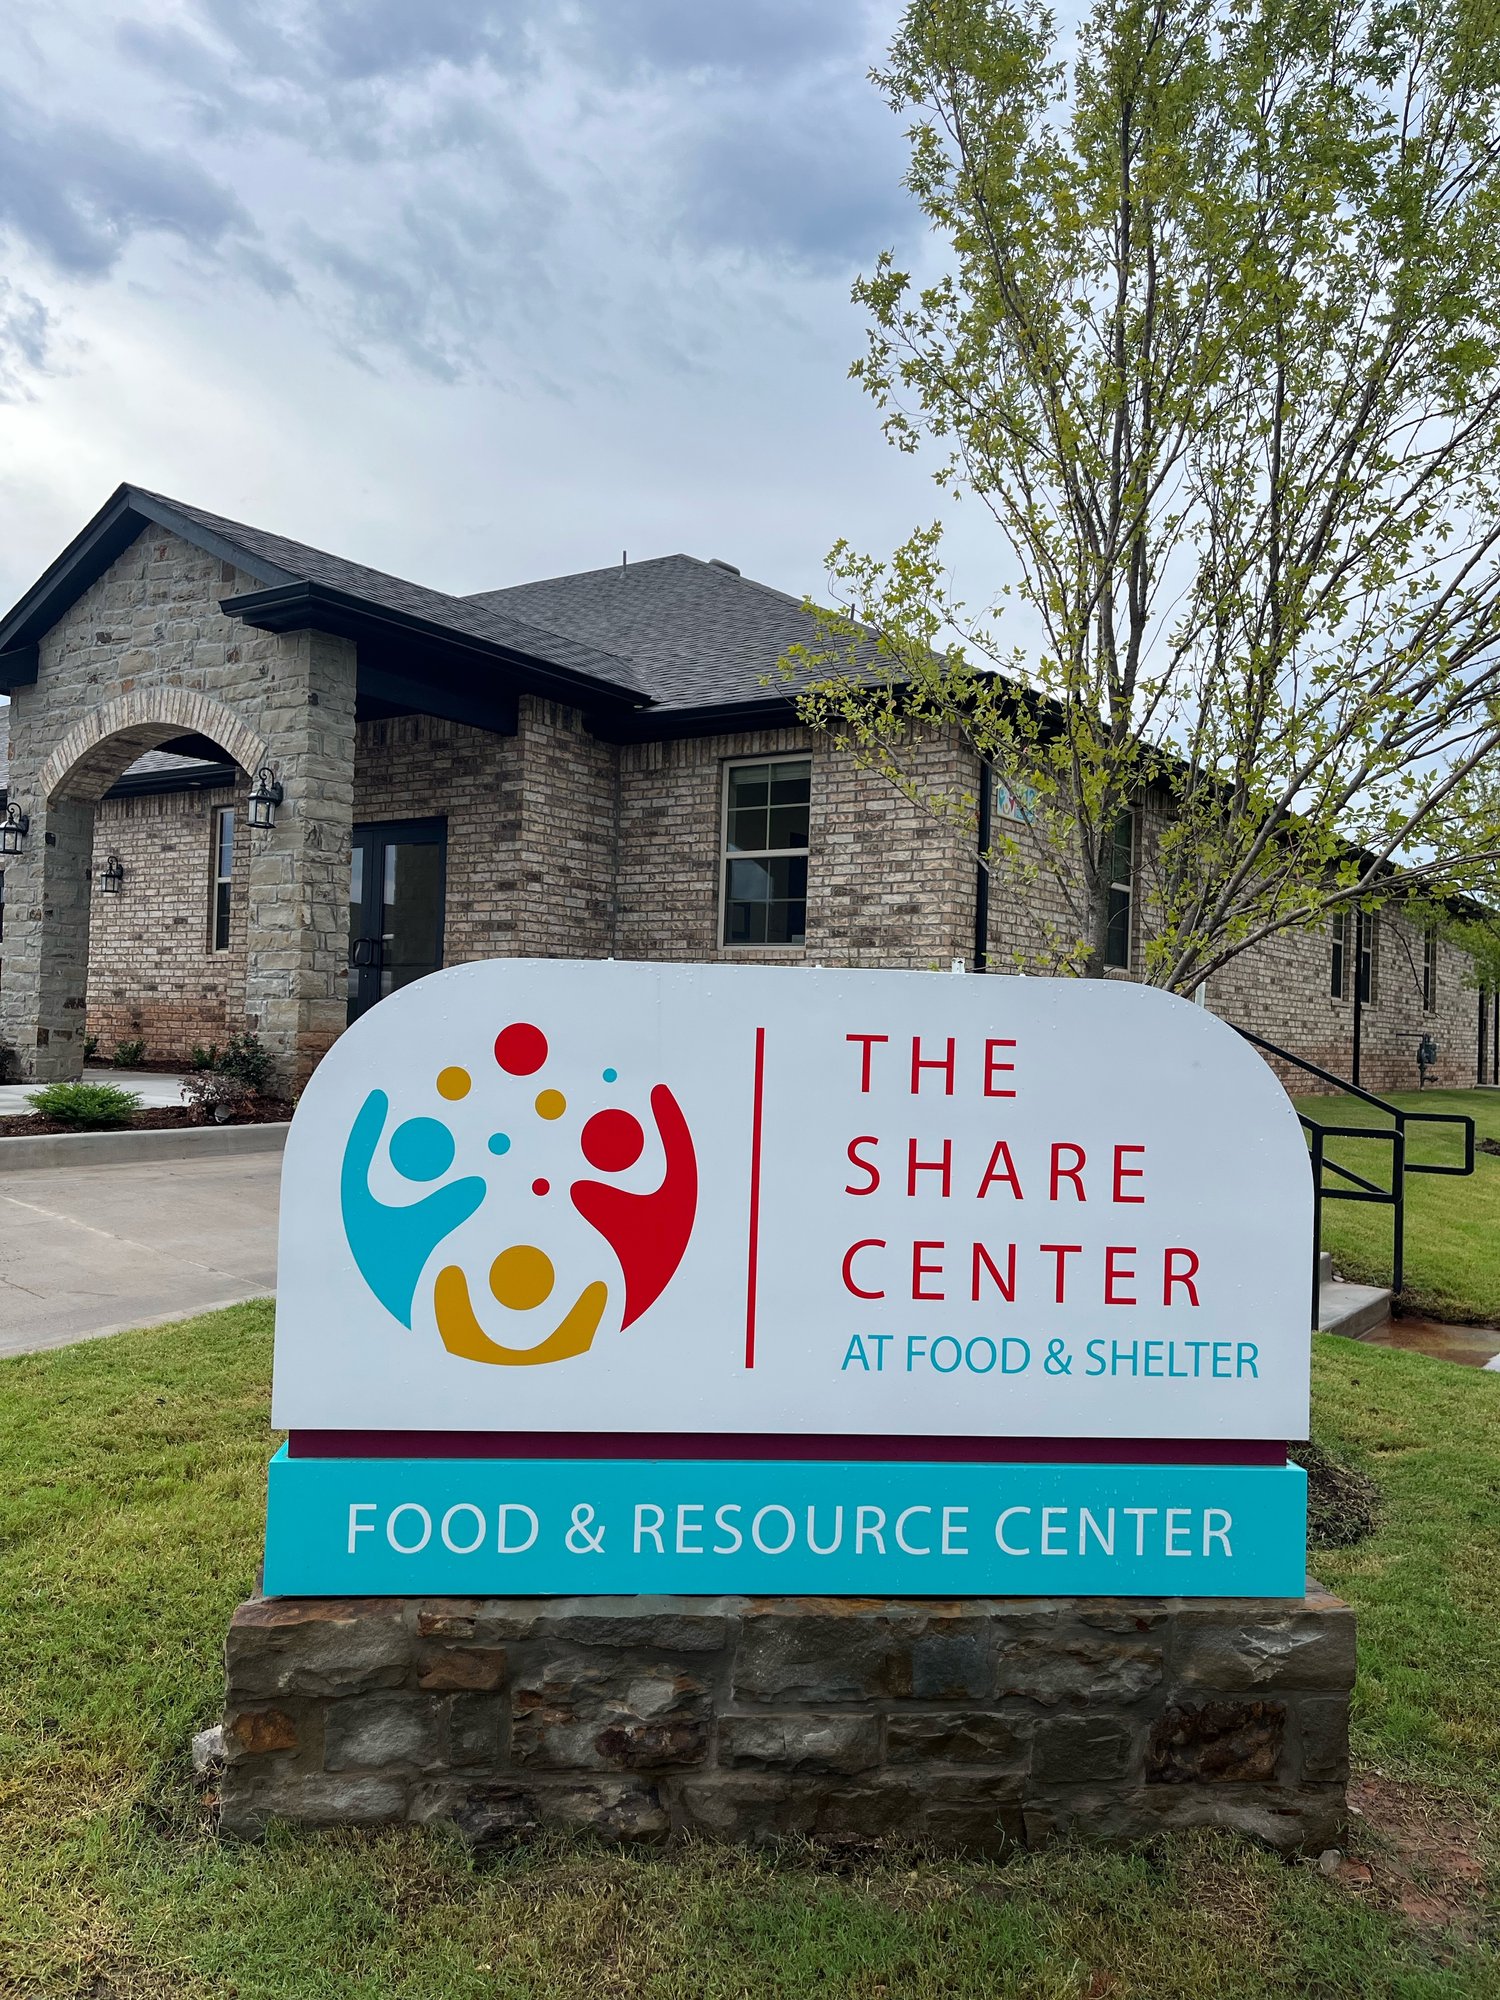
(128,1054)
(213,1095)
(90,1047)
(10,1067)
(95,1106)
(205,1058)
(246,1058)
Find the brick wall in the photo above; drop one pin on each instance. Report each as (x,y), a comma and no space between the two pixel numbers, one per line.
(886,884)
(530,826)
(1282,989)
(568,839)
(153,972)
(416,767)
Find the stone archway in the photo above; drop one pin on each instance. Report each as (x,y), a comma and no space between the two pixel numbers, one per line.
(93,754)
(51,887)
(144,656)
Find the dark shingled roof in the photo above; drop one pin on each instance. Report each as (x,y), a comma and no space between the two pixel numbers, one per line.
(696,634)
(673,636)
(275,560)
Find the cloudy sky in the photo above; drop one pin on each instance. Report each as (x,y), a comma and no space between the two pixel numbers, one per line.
(472,290)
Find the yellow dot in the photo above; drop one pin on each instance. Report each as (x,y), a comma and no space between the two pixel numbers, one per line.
(521,1277)
(551,1104)
(453,1083)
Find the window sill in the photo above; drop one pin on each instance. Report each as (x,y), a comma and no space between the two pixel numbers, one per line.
(762,950)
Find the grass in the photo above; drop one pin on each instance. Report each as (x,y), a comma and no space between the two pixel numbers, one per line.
(1452,1225)
(129,1526)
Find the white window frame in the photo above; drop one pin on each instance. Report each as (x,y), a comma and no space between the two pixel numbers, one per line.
(220,881)
(770,853)
(1430,969)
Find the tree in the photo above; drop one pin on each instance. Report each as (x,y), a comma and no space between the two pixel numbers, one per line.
(1218,348)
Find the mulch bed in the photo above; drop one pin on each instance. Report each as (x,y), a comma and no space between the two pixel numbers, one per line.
(158,1118)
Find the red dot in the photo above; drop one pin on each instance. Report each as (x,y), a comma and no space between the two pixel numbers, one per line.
(612,1141)
(541,1187)
(520,1049)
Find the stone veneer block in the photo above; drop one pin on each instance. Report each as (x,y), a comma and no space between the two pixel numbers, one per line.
(963,1724)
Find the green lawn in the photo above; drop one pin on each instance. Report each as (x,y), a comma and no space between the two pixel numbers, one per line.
(129,1526)
(1452,1224)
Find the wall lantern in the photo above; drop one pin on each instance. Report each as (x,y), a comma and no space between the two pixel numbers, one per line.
(266,797)
(13,830)
(111,875)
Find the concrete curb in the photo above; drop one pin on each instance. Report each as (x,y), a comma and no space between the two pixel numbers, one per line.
(108,1149)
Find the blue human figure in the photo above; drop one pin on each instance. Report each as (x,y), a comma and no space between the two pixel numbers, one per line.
(391,1241)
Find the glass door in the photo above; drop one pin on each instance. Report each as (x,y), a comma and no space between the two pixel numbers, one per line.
(395,907)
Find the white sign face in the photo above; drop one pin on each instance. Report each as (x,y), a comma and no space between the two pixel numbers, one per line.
(573,1196)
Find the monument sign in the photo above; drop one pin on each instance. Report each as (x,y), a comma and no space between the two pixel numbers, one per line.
(603,1277)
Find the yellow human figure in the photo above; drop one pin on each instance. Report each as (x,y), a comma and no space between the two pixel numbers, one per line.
(521,1277)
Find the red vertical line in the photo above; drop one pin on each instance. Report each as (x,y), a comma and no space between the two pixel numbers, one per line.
(755,1120)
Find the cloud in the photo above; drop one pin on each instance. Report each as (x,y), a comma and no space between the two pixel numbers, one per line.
(26,328)
(470,190)
(818,183)
(317,43)
(759,38)
(77,193)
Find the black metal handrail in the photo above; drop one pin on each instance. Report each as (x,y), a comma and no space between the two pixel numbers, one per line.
(1360,1189)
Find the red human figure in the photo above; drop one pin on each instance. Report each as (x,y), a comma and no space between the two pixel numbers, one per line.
(647,1232)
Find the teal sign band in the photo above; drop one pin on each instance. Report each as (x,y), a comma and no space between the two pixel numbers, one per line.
(476,1527)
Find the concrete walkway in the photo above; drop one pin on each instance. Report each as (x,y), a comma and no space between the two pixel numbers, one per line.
(1469,1346)
(152,1087)
(92,1250)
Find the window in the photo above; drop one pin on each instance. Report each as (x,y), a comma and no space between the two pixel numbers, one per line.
(1368,969)
(1429,969)
(1121,876)
(766,812)
(1339,974)
(223,872)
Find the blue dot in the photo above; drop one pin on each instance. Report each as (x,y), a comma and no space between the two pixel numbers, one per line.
(421,1149)
(611,1076)
(500,1142)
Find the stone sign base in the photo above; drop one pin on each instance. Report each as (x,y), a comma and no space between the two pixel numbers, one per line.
(966,1724)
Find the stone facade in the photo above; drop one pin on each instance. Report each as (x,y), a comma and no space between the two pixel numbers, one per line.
(144,656)
(966,1724)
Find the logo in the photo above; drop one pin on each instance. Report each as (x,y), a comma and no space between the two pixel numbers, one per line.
(642,1232)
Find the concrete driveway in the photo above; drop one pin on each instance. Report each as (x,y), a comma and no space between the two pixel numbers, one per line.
(92,1250)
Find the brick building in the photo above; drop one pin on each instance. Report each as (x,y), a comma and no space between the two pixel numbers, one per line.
(596,765)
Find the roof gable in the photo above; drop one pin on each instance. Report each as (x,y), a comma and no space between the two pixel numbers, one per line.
(302,586)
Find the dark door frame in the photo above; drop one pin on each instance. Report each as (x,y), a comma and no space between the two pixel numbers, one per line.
(372,837)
